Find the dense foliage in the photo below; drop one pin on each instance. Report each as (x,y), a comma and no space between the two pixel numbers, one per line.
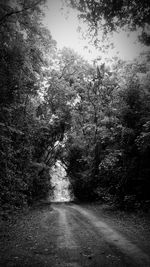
(54,105)
(24,44)
(108,150)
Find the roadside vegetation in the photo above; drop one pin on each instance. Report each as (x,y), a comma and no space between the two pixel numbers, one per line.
(56,106)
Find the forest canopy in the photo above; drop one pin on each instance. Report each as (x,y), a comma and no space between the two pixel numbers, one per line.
(112,15)
(57,106)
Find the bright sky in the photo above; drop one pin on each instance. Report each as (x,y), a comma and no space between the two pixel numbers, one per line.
(63,26)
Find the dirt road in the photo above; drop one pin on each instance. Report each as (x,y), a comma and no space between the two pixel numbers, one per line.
(69,235)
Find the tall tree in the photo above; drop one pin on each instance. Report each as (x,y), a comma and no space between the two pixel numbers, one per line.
(24,44)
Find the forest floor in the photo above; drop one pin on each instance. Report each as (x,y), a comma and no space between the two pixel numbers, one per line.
(70,235)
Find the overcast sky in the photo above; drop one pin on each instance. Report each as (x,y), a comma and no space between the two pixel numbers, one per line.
(63,26)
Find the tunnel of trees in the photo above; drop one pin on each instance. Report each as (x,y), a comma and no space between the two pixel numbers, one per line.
(56,106)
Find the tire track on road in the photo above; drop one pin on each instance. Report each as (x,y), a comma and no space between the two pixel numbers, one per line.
(116,239)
